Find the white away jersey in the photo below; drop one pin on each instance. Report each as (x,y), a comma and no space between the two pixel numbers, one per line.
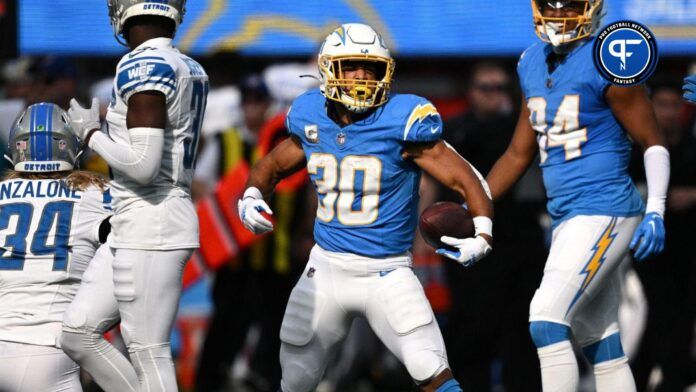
(157,66)
(48,234)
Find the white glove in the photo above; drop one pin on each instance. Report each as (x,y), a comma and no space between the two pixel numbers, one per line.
(469,250)
(250,207)
(83,120)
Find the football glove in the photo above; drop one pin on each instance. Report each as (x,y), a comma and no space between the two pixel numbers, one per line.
(690,89)
(469,250)
(83,120)
(649,237)
(250,208)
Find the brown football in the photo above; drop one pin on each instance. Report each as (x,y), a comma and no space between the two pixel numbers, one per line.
(445,218)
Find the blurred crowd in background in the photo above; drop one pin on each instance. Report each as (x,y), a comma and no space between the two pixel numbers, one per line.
(228,329)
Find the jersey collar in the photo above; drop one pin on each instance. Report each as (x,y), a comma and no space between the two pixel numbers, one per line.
(159,42)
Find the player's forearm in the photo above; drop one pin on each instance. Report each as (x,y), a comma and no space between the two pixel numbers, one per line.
(139,161)
(472,188)
(506,172)
(478,202)
(264,177)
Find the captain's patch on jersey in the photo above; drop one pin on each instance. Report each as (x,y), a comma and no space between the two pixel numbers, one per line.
(312,133)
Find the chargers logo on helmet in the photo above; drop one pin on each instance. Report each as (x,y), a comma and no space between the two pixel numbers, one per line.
(355,42)
(41,140)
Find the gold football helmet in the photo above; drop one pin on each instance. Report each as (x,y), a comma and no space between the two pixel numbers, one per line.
(563,30)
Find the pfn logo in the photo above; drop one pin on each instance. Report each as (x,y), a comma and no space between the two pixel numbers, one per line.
(621,53)
(625,53)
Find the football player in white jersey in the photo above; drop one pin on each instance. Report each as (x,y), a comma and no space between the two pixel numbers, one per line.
(50,219)
(154,122)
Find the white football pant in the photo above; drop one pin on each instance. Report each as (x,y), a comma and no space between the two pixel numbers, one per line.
(336,287)
(581,289)
(33,368)
(147,284)
(93,312)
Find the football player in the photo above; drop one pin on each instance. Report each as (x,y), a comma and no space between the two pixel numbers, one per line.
(154,122)
(50,220)
(364,149)
(581,125)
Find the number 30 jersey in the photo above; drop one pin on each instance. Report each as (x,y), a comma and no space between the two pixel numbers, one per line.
(368,194)
(48,234)
(584,150)
(157,66)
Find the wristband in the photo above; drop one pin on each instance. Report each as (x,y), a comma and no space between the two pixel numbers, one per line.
(483,225)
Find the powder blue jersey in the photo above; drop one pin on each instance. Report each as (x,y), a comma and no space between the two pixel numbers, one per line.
(368,194)
(584,150)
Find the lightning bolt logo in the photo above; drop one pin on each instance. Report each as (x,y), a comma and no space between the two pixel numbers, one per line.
(598,256)
(419,113)
(341,34)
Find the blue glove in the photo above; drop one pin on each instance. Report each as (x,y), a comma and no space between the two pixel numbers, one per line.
(690,89)
(649,237)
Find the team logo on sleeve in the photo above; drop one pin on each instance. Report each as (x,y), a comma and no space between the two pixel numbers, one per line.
(419,113)
(625,53)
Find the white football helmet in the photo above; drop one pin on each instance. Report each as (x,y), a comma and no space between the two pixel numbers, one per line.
(355,42)
(561,31)
(121,10)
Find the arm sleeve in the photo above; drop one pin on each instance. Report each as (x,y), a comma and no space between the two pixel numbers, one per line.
(140,161)
(423,124)
(145,73)
(657,168)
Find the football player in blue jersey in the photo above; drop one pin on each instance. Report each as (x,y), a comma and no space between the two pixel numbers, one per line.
(581,125)
(364,149)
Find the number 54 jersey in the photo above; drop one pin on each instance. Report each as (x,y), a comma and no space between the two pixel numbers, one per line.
(48,234)
(156,66)
(368,194)
(584,150)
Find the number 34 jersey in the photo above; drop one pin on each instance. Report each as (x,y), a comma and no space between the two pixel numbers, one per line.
(584,150)
(368,194)
(48,234)
(157,66)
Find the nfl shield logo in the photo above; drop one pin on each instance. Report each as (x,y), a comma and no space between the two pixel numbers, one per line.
(341,139)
